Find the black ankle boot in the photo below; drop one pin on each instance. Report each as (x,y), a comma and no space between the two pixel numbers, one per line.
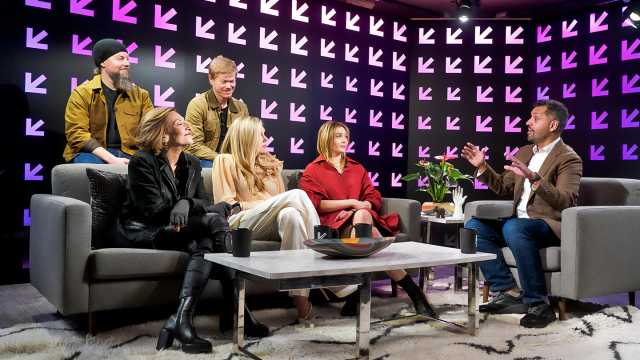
(180,326)
(252,327)
(418,298)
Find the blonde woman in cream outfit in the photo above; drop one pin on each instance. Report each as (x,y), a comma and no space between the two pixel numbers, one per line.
(247,173)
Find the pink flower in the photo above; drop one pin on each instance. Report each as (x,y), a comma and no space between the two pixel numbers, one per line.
(423,162)
(444,157)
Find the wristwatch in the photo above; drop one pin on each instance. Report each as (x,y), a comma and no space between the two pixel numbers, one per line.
(536,178)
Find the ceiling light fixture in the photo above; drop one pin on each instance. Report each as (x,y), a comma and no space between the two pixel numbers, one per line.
(464,9)
(631,15)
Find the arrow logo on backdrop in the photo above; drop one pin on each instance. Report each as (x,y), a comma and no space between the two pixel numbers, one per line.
(349,116)
(595,154)
(77,7)
(451,124)
(482,96)
(627,52)
(566,61)
(397,32)
(269,141)
(627,86)
(265,41)
(38,3)
(395,121)
(422,125)
(450,68)
(239,75)
(202,66)
(32,175)
(296,12)
(372,149)
(542,65)
(452,152)
(201,30)
(295,113)
(481,126)
(596,89)
(295,146)
(237,3)
(325,50)
(397,92)
(569,125)
(481,38)
(373,59)
(324,113)
(510,126)
(511,152)
(395,180)
(120,14)
(480,67)
(373,119)
(567,30)
(373,179)
(161,59)
(326,81)
(451,95)
(424,37)
(265,112)
(160,99)
(351,84)
(350,149)
(542,94)
(510,96)
(374,29)
(567,92)
(397,62)
(510,67)
(423,67)
(34,41)
(423,152)
(627,121)
(234,36)
(32,86)
(296,79)
(267,76)
(266,7)
(512,38)
(542,35)
(32,130)
(79,47)
(326,16)
(74,83)
(627,153)
(596,123)
(596,25)
(453,38)
(349,54)
(162,21)
(296,46)
(351,22)
(395,150)
(595,57)
(375,88)
(422,95)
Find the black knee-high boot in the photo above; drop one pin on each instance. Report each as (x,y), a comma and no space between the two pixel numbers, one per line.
(180,325)
(416,295)
(252,327)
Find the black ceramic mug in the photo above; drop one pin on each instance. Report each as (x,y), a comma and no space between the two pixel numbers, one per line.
(468,240)
(240,242)
(325,232)
(362,230)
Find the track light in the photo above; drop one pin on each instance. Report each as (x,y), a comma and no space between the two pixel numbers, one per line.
(631,15)
(464,9)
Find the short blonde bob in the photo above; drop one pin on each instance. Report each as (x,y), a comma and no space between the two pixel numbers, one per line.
(221,65)
(242,143)
(326,140)
(152,129)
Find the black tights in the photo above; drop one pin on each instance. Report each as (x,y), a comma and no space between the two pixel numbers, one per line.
(197,238)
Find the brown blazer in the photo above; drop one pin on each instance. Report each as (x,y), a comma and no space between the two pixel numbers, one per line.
(561,172)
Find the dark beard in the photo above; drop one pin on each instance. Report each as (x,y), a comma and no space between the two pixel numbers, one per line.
(122,82)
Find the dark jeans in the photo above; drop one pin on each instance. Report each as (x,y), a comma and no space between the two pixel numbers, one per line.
(88,158)
(206,164)
(525,237)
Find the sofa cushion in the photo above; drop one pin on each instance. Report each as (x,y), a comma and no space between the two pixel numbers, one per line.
(550,258)
(108,192)
(109,264)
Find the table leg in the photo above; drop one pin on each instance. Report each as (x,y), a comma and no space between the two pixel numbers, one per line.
(364,318)
(457,274)
(238,319)
(425,276)
(474,318)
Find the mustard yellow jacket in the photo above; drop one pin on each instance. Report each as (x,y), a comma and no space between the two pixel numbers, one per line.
(203,114)
(86,118)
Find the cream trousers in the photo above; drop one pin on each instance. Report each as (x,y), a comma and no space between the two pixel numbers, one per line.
(288,217)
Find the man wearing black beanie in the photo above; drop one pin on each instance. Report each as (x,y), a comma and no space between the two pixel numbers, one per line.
(102,115)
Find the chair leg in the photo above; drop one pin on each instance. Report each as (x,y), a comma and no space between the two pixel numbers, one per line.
(632,298)
(93,323)
(485,292)
(562,305)
(394,288)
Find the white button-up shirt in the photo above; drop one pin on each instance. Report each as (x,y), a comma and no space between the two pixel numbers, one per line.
(539,156)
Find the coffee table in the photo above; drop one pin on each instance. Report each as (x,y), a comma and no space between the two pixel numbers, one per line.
(303,269)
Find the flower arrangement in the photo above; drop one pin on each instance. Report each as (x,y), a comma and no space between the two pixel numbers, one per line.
(439,177)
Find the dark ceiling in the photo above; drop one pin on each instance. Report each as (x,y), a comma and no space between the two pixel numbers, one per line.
(482,8)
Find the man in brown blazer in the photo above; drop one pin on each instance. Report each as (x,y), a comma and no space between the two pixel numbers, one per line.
(544,178)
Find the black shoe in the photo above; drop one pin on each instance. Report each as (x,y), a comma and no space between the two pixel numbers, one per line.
(180,326)
(539,315)
(350,308)
(505,304)
(419,300)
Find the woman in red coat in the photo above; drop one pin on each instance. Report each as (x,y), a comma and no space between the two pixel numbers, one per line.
(342,193)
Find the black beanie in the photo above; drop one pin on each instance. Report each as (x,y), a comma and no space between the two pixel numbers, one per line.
(105,49)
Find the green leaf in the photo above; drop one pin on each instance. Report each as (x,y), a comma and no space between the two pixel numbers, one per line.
(411,177)
(453,181)
(435,172)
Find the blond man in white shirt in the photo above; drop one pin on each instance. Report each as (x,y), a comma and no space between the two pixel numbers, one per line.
(544,178)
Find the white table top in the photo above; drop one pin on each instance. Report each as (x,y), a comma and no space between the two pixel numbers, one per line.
(304,263)
(445,220)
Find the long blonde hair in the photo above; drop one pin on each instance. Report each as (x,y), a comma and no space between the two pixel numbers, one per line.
(242,142)
(326,140)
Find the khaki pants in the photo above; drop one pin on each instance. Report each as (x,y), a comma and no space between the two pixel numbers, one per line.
(288,217)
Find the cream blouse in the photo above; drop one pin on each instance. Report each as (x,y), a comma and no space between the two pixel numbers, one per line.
(229,184)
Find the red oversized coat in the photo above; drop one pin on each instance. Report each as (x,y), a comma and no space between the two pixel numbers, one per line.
(321,181)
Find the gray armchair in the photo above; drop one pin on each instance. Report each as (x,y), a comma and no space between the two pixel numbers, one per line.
(600,241)
(77,279)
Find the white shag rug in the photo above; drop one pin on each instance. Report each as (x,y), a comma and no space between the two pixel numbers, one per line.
(591,333)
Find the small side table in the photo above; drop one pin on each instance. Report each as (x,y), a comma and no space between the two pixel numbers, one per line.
(425,237)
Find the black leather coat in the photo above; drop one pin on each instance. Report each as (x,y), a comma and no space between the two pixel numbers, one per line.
(152,194)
